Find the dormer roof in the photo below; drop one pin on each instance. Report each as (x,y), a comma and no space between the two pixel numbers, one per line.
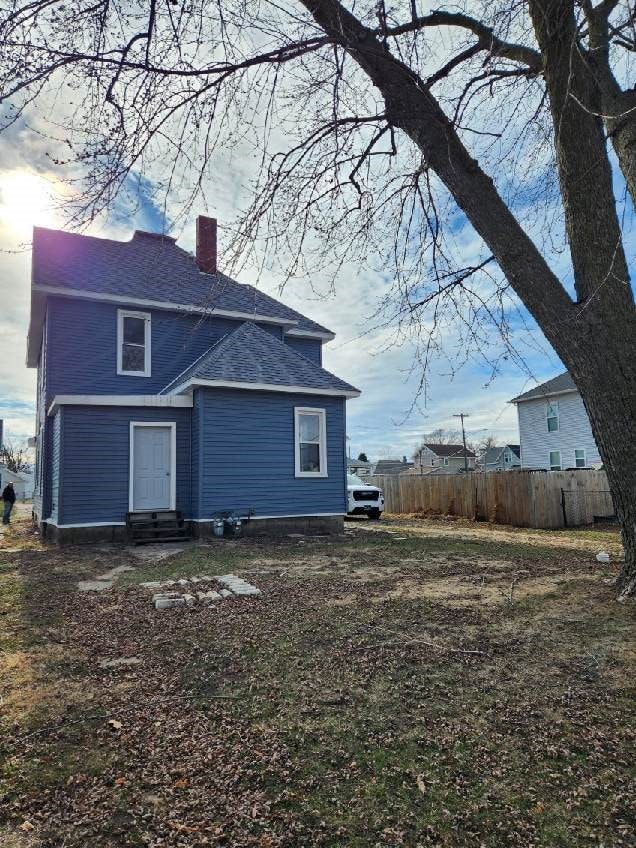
(251,358)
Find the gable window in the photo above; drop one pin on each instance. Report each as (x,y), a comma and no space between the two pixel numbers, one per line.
(580,460)
(311,442)
(553,417)
(555,460)
(133,343)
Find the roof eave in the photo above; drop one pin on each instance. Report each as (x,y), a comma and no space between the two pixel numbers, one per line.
(543,395)
(199,382)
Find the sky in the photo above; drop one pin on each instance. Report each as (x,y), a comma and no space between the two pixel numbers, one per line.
(381,422)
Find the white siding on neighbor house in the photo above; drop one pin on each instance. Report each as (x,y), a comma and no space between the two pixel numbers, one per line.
(574,432)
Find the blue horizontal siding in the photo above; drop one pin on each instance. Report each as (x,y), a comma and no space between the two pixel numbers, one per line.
(245,444)
(55,464)
(311,348)
(82,347)
(94,473)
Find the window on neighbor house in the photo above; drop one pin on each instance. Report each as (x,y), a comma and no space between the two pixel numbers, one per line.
(580,460)
(553,417)
(311,442)
(555,460)
(446,460)
(133,343)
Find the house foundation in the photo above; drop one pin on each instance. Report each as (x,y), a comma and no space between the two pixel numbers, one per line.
(311,525)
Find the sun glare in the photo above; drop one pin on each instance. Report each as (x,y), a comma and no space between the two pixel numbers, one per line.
(26,199)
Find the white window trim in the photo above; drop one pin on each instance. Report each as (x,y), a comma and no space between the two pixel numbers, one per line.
(146,316)
(322,413)
(584,451)
(173,461)
(550,463)
(446,461)
(554,406)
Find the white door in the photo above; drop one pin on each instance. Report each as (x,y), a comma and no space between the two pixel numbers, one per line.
(151,468)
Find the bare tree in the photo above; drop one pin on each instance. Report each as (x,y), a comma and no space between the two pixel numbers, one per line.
(15,457)
(375,133)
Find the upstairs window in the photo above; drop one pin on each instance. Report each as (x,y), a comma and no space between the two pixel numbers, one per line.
(553,417)
(133,343)
(555,460)
(311,442)
(580,460)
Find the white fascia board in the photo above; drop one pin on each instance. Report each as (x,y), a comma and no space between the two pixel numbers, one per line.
(311,334)
(119,400)
(87,524)
(261,387)
(162,304)
(545,396)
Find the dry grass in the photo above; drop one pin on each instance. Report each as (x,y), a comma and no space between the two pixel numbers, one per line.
(412,683)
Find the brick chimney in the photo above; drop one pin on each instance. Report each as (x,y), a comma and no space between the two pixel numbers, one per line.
(206,244)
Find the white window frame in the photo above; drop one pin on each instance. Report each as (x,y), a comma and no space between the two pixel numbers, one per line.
(584,452)
(322,441)
(147,318)
(446,461)
(554,407)
(173,462)
(550,463)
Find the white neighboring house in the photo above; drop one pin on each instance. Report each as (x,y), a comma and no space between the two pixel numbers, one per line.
(360,467)
(503,458)
(554,430)
(22,482)
(443,459)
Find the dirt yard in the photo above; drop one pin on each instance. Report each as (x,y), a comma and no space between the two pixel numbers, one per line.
(413,683)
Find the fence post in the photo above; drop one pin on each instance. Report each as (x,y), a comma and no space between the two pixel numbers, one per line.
(565,516)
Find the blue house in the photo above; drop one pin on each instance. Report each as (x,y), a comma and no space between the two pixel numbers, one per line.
(165,388)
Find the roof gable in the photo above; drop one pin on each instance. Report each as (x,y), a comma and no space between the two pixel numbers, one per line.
(560,384)
(253,358)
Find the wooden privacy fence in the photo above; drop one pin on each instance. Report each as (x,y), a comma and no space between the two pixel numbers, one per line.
(522,498)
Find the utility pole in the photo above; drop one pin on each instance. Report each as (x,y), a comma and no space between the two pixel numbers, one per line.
(463,415)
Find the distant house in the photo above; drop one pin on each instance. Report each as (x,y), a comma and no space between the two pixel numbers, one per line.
(502,458)
(393,466)
(443,459)
(169,393)
(360,467)
(554,429)
(22,482)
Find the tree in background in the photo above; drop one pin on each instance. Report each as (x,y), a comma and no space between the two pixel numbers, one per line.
(374,132)
(362,457)
(14,457)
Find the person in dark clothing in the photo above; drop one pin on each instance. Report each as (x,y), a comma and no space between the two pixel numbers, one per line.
(8,497)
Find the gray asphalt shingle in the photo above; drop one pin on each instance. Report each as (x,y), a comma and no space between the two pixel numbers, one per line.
(148,266)
(561,383)
(251,355)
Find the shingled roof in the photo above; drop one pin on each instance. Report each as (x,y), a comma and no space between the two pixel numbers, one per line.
(449,450)
(151,267)
(254,358)
(557,385)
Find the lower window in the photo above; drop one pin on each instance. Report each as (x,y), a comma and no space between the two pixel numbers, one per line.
(555,460)
(579,457)
(311,442)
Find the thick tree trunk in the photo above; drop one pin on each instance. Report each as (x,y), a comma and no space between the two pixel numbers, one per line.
(603,366)
(595,338)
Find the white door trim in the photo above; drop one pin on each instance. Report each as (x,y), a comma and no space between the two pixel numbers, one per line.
(173,460)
